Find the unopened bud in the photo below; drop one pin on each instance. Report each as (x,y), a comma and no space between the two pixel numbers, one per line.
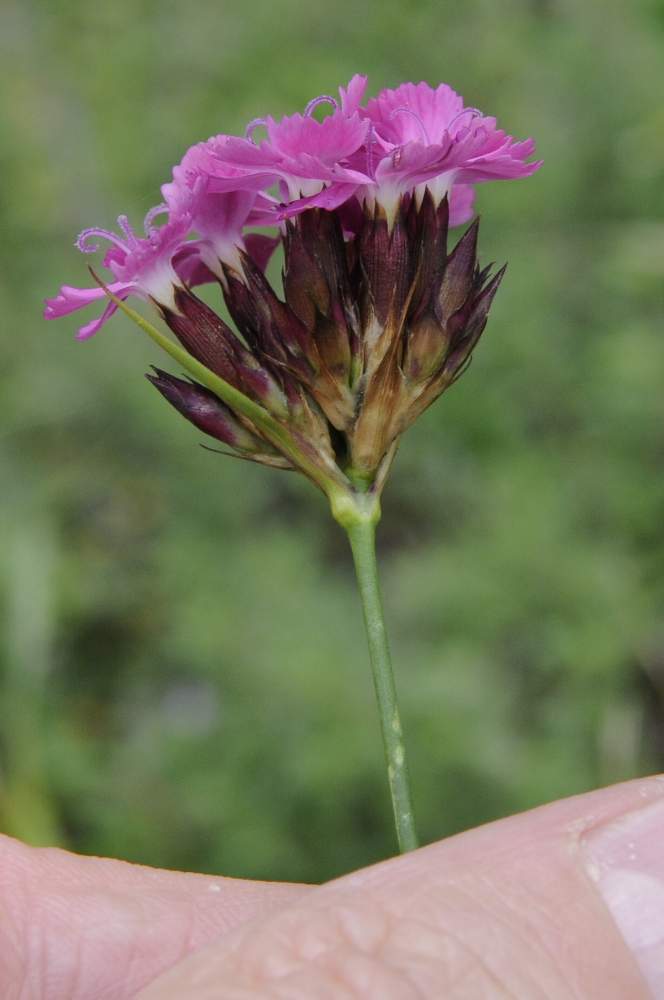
(205,411)
(213,343)
(425,333)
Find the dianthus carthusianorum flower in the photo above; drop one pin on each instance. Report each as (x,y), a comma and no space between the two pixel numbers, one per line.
(378,313)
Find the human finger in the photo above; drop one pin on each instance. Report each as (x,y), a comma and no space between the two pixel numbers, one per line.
(566,901)
(82,928)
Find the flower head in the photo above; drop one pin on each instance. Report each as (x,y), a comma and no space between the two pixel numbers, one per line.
(217,217)
(377,316)
(305,158)
(424,138)
(141,266)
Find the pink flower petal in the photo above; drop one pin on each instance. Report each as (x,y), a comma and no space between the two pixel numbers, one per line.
(351,96)
(70,300)
(461,202)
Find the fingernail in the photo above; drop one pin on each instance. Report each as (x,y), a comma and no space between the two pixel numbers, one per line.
(626,860)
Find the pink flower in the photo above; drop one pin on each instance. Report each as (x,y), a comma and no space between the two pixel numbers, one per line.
(152,267)
(217,217)
(141,266)
(425,137)
(403,142)
(306,158)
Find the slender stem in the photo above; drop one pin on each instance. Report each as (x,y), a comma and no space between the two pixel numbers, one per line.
(362,536)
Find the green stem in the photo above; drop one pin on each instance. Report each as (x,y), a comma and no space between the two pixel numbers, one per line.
(362,535)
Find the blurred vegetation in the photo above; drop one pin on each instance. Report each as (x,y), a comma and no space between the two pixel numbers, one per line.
(183,674)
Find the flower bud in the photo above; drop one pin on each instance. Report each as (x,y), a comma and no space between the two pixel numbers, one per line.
(424,333)
(205,411)
(212,342)
(318,291)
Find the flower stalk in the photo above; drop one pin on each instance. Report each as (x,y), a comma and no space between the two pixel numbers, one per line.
(359,520)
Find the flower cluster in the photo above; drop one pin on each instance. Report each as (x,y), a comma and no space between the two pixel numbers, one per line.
(376,318)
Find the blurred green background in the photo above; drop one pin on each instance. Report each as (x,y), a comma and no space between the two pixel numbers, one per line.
(183,674)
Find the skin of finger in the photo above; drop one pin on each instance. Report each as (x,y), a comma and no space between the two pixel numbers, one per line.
(504,911)
(80,928)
